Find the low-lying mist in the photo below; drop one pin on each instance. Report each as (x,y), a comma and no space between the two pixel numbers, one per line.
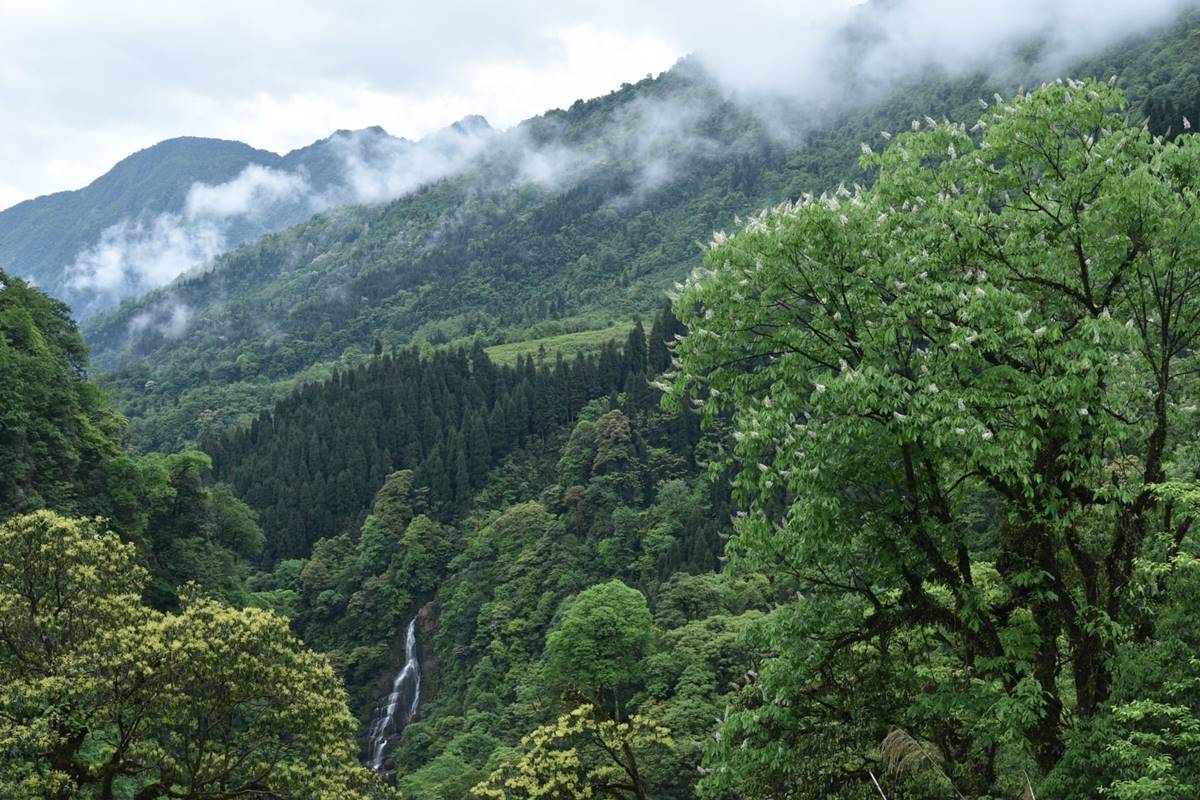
(358,167)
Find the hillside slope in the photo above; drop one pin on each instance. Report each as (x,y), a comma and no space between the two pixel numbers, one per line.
(584,216)
(182,201)
(42,236)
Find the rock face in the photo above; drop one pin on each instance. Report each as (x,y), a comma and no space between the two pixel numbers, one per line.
(427,626)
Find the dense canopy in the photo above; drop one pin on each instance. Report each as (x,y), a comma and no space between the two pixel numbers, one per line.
(409,475)
(964,405)
(104,697)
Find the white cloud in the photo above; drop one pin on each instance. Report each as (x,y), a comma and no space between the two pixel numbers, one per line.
(252,193)
(377,170)
(289,73)
(893,39)
(132,256)
(170,319)
(139,254)
(94,82)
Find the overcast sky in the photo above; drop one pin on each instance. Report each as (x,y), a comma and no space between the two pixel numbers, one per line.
(85,83)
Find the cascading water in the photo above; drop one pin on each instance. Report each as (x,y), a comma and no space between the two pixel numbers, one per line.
(400,707)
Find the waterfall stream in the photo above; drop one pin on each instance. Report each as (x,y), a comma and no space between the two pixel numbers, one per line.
(401,704)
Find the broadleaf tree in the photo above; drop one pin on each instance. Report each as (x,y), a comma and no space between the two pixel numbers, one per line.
(104,697)
(963,404)
(580,755)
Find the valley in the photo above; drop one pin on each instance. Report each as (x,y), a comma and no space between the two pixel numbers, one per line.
(479,466)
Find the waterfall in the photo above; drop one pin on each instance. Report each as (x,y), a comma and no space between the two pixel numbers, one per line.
(403,701)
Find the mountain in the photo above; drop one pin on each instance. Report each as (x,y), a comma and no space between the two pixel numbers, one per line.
(184,201)
(39,238)
(985,587)
(571,220)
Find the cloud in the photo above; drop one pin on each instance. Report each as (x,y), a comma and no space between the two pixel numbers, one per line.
(377,168)
(169,319)
(650,140)
(369,166)
(794,64)
(311,65)
(95,82)
(251,194)
(651,137)
(135,255)
(861,51)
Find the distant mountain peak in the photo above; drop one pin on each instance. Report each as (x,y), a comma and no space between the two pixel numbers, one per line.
(472,123)
(374,130)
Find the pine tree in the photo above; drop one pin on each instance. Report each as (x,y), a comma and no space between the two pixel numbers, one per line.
(480,450)
(635,349)
(663,331)
(435,476)
(462,476)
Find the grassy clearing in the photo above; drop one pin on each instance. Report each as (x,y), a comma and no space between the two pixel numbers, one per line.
(568,344)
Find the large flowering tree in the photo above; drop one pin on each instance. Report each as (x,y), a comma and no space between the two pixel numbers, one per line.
(102,697)
(963,402)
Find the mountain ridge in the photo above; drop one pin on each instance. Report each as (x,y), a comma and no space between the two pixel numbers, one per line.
(507,252)
(51,238)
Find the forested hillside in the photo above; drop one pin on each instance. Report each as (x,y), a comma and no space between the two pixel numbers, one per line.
(129,667)
(642,175)
(606,518)
(154,213)
(40,238)
(56,430)
(578,480)
(894,496)
(311,465)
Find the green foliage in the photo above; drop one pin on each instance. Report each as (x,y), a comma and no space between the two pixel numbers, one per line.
(499,262)
(521,609)
(102,696)
(448,776)
(597,648)
(512,570)
(485,254)
(614,445)
(956,399)
(577,757)
(685,598)
(60,448)
(1144,742)
(57,433)
(310,466)
(962,439)
(569,344)
(191,531)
